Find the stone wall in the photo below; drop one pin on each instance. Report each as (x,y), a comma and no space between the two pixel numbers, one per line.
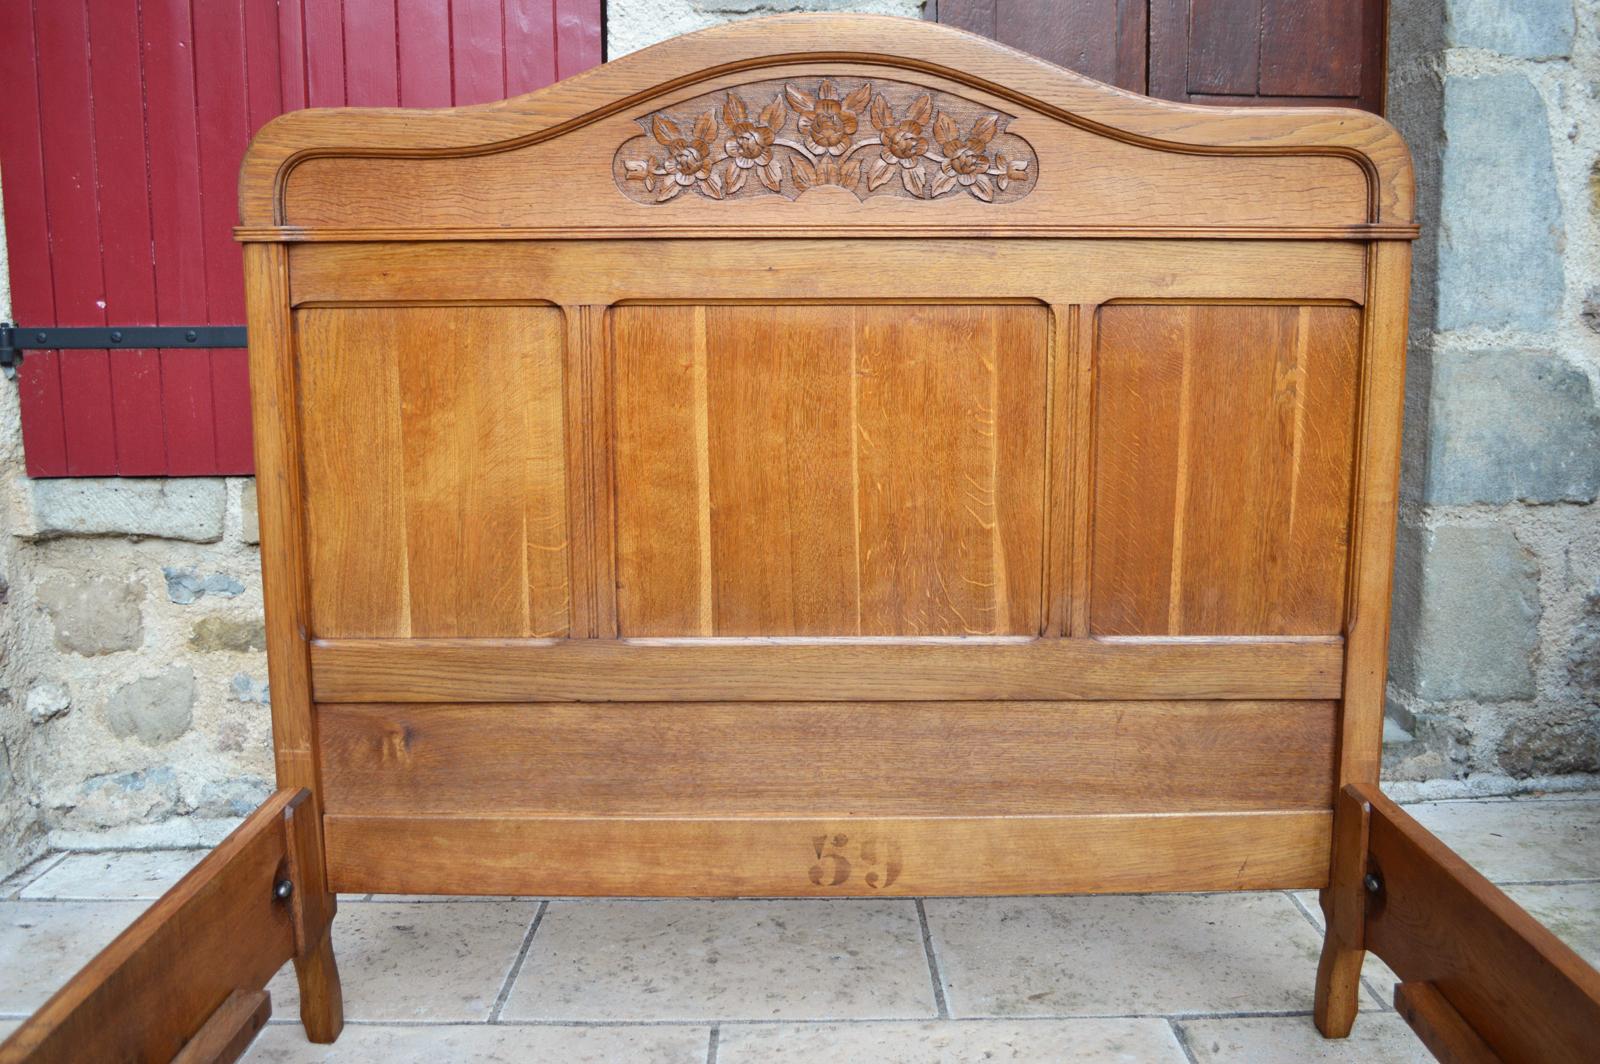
(1495,661)
(133,699)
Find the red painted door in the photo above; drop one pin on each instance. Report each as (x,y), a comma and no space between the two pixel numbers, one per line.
(120,142)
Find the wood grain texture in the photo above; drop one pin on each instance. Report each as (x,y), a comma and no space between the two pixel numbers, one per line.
(835,759)
(557,144)
(1436,920)
(601,670)
(1440,1027)
(844,857)
(229,1031)
(1224,441)
(810,470)
(452,420)
(220,929)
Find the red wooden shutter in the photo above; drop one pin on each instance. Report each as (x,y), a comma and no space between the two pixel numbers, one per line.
(120,140)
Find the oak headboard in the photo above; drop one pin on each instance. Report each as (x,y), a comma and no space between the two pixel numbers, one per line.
(827,455)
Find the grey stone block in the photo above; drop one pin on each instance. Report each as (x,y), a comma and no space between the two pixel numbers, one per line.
(185,586)
(1501,235)
(189,508)
(156,709)
(1558,742)
(138,797)
(1583,656)
(233,797)
(246,688)
(94,615)
(249,517)
(47,701)
(1476,622)
(1512,425)
(1529,29)
(230,634)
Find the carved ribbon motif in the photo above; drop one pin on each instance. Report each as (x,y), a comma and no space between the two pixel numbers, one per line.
(858,140)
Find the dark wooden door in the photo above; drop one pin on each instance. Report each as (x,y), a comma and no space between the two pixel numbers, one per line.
(1316,52)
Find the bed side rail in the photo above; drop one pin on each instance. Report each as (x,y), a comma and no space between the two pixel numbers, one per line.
(185,980)
(1480,979)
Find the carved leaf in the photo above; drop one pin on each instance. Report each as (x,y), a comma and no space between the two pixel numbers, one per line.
(665,130)
(827,91)
(705,127)
(942,184)
(637,169)
(773,116)
(805,175)
(982,189)
(1019,169)
(921,110)
(772,175)
(800,101)
(732,177)
(712,186)
(914,180)
(945,129)
(858,99)
(1002,182)
(668,190)
(850,176)
(880,172)
(882,114)
(734,110)
(984,131)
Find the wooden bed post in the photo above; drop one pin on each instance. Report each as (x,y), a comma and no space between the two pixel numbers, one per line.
(1376,509)
(283,585)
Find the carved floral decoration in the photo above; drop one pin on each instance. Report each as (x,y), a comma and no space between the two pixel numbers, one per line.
(856,141)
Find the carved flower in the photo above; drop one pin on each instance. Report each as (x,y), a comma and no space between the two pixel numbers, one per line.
(688,158)
(904,141)
(750,146)
(826,122)
(965,162)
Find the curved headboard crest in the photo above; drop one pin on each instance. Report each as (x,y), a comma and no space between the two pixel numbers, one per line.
(876,114)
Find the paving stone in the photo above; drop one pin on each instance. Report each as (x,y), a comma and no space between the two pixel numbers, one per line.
(94,615)
(419,962)
(1571,910)
(43,943)
(955,1042)
(1510,425)
(730,960)
(286,1044)
(1476,628)
(128,874)
(1500,234)
(1247,952)
(1528,29)
(153,709)
(1520,841)
(1377,1038)
(7,1026)
(186,508)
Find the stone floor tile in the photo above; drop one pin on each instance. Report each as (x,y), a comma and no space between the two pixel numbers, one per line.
(729,960)
(400,961)
(1154,954)
(44,943)
(1519,841)
(16,881)
(135,874)
(1571,910)
(7,1026)
(955,1042)
(1377,1038)
(1378,976)
(431,1043)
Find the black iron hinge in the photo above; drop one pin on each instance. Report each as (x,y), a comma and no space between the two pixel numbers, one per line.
(15,339)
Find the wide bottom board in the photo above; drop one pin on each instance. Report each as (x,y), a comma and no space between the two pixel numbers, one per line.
(740,799)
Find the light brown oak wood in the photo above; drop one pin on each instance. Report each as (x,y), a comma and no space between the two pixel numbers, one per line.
(229,1031)
(220,930)
(829,857)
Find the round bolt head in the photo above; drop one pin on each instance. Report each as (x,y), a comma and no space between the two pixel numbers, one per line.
(283,889)
(1372,883)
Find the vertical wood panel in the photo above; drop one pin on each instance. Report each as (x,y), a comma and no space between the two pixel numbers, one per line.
(424,66)
(1223,443)
(579,43)
(530,45)
(477,46)
(1224,46)
(1312,48)
(809,470)
(119,134)
(464,531)
(371,59)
